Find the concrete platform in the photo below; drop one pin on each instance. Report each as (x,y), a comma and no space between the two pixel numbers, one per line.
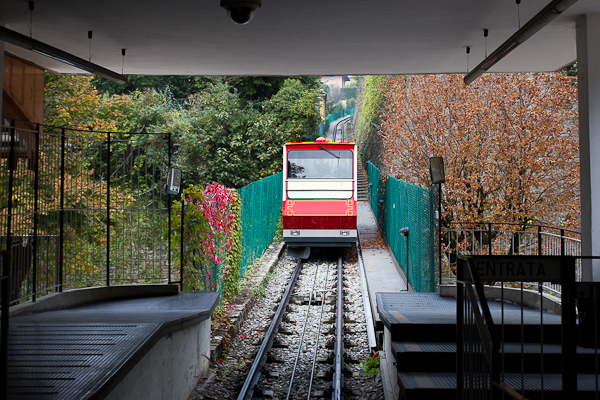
(381,271)
(148,347)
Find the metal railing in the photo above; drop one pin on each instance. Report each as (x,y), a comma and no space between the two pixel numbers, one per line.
(516,352)
(478,344)
(83,208)
(507,239)
(4,296)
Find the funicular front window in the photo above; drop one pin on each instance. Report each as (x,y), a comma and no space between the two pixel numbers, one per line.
(319,164)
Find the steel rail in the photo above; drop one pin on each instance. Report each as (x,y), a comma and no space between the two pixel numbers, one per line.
(342,121)
(338,378)
(323,296)
(261,357)
(366,301)
(302,334)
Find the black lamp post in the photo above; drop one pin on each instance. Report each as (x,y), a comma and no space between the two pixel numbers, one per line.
(174,188)
(438,176)
(404,232)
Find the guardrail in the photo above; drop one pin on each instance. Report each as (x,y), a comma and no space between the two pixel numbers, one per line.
(83,208)
(522,352)
(507,239)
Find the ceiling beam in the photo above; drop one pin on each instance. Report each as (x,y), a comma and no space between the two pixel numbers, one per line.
(541,19)
(36,46)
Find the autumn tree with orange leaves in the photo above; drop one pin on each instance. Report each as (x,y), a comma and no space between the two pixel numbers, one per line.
(509,141)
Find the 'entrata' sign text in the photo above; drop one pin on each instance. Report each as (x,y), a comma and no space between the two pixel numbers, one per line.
(518,268)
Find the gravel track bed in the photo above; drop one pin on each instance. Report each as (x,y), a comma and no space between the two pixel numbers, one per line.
(225,379)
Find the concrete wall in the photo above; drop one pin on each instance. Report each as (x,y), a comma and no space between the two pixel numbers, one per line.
(588,69)
(170,370)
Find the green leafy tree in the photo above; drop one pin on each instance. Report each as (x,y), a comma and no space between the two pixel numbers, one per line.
(226,142)
(180,86)
(259,88)
(294,110)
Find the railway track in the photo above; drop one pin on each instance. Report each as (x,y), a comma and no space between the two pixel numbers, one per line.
(226,378)
(304,345)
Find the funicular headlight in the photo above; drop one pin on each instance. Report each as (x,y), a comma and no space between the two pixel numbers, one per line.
(295,233)
(344,233)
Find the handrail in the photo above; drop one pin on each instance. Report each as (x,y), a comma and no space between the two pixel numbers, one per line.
(461,223)
(483,322)
(562,270)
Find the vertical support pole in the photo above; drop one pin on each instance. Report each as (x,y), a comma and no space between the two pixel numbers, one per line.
(568,327)
(61,235)
(490,250)
(588,85)
(36,181)
(169,210)
(562,242)
(181,249)
(440,233)
(407,270)
(460,299)
(4,323)
(108,172)
(539,240)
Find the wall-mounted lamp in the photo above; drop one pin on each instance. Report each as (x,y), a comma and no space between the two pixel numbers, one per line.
(44,49)
(541,19)
(438,176)
(436,170)
(174,181)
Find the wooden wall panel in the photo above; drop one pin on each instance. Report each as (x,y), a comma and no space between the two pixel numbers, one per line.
(23,94)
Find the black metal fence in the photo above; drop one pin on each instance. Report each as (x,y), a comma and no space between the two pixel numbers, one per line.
(4,296)
(507,349)
(469,239)
(83,208)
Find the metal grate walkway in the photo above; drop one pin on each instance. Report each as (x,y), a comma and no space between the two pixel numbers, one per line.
(83,353)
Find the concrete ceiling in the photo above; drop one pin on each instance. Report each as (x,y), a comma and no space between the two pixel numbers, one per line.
(302,37)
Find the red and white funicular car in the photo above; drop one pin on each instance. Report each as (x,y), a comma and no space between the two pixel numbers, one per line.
(319,194)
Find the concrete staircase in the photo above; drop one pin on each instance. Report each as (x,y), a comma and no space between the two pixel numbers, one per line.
(421,342)
(363,184)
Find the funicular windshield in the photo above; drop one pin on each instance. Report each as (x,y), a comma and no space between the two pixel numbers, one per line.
(319,164)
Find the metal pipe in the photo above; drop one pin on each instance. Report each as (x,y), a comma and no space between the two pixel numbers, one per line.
(440,234)
(169,212)
(108,211)
(61,217)
(36,180)
(181,243)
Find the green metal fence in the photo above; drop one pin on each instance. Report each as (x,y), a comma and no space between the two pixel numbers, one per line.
(261,207)
(406,205)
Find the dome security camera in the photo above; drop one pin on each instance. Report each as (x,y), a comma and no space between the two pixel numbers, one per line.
(240,11)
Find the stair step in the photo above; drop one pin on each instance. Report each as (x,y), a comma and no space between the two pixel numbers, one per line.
(441,356)
(426,385)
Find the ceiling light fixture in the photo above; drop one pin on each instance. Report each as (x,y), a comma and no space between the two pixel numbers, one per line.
(44,49)
(541,19)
